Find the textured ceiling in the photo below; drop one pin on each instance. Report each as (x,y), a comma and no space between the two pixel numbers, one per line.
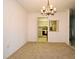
(36,5)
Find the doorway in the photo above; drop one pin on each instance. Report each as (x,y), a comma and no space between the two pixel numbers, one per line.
(42,29)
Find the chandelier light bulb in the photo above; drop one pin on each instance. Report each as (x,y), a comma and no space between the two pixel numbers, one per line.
(54,9)
(52,13)
(51,7)
(43,7)
(41,11)
(46,11)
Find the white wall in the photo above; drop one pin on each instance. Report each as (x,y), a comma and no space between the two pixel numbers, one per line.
(15,27)
(32,26)
(61,36)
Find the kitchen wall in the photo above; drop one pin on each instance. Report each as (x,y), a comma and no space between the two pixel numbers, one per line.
(62,35)
(15,27)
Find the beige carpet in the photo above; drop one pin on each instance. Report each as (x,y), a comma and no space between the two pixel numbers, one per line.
(44,51)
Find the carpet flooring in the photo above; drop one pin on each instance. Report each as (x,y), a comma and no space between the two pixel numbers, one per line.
(34,50)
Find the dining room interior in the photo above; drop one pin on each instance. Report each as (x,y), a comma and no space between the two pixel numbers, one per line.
(39,29)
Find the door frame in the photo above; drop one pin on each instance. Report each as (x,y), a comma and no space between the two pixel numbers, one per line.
(38,26)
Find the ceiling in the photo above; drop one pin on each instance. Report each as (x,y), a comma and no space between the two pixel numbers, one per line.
(36,5)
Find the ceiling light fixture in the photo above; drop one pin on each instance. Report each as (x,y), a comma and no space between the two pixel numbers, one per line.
(49,10)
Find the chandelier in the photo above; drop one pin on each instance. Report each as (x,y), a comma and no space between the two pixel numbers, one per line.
(48,10)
